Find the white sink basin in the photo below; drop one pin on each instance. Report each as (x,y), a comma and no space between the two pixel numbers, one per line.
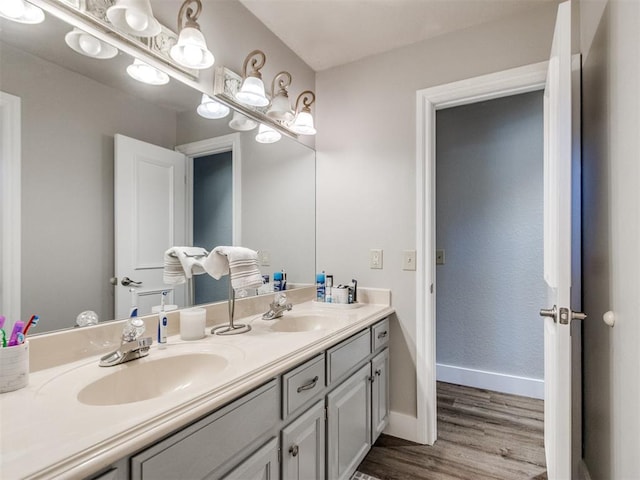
(149,378)
(305,322)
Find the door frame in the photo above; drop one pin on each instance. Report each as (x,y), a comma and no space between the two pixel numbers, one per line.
(10,216)
(225,143)
(486,87)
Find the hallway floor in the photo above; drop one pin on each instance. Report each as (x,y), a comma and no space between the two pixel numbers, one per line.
(481,435)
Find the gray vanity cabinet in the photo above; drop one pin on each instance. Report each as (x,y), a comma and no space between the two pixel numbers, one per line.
(262,465)
(349,424)
(379,394)
(303,445)
(212,446)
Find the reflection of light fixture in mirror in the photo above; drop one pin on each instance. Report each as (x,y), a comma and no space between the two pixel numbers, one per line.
(242,123)
(21,11)
(212,109)
(134,17)
(145,73)
(303,124)
(191,50)
(267,134)
(252,90)
(89,45)
(280,109)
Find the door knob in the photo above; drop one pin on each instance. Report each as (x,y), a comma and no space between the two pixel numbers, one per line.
(126,281)
(113,281)
(294,450)
(565,314)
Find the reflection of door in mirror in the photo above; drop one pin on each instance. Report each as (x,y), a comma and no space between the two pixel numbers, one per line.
(10,138)
(149,218)
(212,217)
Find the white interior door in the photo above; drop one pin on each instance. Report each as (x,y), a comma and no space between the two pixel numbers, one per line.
(557,251)
(149,218)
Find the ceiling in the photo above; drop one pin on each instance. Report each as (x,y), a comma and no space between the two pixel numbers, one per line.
(327,33)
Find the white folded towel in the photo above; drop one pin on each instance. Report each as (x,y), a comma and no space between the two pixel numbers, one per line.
(181,263)
(241,262)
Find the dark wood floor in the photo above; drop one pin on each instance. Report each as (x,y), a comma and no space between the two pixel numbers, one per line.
(481,435)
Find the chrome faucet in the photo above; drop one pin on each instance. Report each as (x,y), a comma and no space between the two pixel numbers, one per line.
(277,307)
(132,345)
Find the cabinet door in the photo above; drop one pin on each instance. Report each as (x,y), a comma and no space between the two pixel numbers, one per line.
(379,393)
(349,424)
(262,465)
(303,446)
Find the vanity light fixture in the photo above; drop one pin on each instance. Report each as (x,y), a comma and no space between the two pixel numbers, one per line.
(252,90)
(145,73)
(21,11)
(267,134)
(89,45)
(212,109)
(134,17)
(280,109)
(242,123)
(191,50)
(303,124)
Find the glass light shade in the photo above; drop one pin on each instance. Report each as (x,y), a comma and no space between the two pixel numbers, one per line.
(89,45)
(267,134)
(303,124)
(134,17)
(280,109)
(191,50)
(212,109)
(145,73)
(21,11)
(252,93)
(242,123)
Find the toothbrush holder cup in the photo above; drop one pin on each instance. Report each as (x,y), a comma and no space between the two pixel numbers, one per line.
(14,367)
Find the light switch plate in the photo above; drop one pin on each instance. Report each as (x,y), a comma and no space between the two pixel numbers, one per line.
(375,258)
(409,260)
(439,257)
(265,258)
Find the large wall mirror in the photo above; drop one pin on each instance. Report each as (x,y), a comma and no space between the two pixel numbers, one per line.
(71,108)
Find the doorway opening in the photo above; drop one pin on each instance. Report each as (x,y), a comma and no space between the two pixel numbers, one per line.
(489,239)
(429,101)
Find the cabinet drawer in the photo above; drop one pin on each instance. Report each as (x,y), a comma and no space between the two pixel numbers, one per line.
(345,356)
(380,334)
(301,385)
(203,447)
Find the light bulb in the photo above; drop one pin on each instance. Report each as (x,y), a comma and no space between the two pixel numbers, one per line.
(12,8)
(89,44)
(136,20)
(192,54)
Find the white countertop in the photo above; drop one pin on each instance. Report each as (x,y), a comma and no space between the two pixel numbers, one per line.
(46,432)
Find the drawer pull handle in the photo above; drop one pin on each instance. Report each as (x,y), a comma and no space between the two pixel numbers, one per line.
(372,379)
(378,372)
(293,450)
(382,334)
(308,386)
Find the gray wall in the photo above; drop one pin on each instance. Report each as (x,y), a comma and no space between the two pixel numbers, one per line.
(68,124)
(366,159)
(610,44)
(489,159)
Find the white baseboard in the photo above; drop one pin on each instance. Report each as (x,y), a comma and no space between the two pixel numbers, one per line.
(402,426)
(499,382)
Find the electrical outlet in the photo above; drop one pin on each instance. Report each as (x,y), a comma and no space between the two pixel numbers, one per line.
(409,260)
(375,258)
(439,257)
(265,258)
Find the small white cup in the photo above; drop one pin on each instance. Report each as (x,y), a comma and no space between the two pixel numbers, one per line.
(192,323)
(340,295)
(14,367)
